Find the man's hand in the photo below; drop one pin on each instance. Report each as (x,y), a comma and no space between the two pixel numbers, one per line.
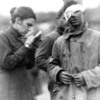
(65,77)
(79,79)
(34,40)
(30,40)
(37,39)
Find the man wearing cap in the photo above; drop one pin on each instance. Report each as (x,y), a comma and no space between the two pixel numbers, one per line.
(74,66)
(17,54)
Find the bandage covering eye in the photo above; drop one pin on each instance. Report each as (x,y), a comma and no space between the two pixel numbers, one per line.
(70,10)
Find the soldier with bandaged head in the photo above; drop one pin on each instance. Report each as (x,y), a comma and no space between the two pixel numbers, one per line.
(75,63)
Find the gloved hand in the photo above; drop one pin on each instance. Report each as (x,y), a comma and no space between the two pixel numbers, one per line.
(30,40)
(37,40)
(65,77)
(33,40)
(79,79)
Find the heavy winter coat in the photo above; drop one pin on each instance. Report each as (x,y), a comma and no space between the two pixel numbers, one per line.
(82,57)
(14,82)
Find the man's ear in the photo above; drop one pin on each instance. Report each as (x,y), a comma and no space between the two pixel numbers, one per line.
(18,20)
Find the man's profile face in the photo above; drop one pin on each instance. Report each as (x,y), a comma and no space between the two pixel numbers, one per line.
(26,25)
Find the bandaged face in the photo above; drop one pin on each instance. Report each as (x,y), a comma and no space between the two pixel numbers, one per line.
(72,9)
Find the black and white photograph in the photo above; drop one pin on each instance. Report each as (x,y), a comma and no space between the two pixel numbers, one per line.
(50,50)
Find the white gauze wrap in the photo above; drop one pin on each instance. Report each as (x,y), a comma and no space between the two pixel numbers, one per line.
(71,9)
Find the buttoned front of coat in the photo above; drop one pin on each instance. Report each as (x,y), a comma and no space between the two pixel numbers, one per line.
(83,57)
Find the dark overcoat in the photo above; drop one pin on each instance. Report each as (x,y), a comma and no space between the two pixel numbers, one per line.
(14,82)
(83,57)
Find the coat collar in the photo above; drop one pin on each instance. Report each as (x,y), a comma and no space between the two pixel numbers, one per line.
(60,30)
(13,32)
(72,32)
(13,35)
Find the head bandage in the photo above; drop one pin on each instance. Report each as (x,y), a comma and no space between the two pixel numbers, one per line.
(71,9)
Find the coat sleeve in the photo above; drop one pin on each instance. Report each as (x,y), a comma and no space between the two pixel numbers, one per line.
(9,59)
(54,65)
(30,58)
(92,76)
(44,52)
